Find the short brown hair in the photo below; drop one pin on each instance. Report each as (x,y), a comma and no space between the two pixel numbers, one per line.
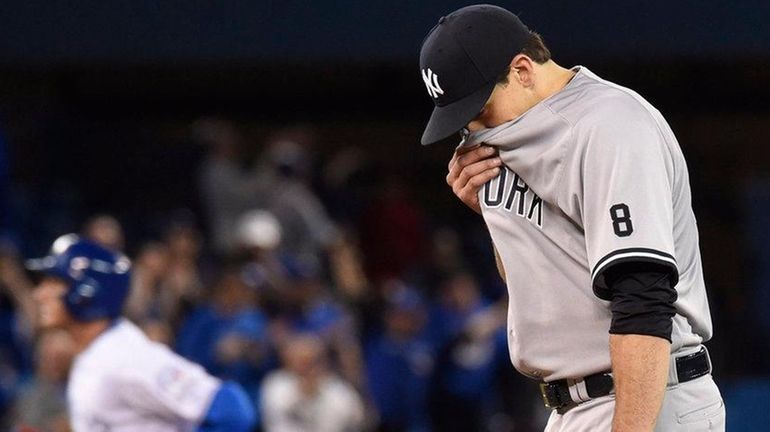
(534,49)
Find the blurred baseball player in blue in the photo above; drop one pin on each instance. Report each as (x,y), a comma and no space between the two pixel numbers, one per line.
(120,380)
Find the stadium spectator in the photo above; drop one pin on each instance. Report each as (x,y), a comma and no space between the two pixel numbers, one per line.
(17,320)
(400,361)
(258,238)
(308,232)
(258,233)
(14,356)
(154,300)
(469,332)
(393,233)
(305,396)
(145,300)
(227,188)
(308,306)
(158,331)
(182,284)
(167,283)
(105,230)
(228,334)
(17,287)
(348,177)
(42,402)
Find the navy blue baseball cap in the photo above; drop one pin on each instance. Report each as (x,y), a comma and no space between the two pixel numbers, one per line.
(460,61)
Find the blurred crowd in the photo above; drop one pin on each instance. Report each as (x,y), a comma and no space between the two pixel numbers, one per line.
(338,307)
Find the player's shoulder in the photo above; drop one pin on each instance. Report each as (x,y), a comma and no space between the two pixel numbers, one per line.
(127,339)
(589,101)
(112,345)
(123,348)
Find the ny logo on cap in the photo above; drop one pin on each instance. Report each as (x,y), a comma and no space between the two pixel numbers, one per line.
(431,82)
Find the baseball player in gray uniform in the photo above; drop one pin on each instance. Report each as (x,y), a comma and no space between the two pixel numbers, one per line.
(585,192)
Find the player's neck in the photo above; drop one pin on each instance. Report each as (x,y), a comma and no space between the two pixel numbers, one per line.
(551,79)
(83,333)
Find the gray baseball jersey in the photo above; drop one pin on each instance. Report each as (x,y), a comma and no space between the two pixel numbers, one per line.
(593,176)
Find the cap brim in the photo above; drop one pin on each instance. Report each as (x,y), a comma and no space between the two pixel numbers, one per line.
(40,264)
(450,119)
(45,265)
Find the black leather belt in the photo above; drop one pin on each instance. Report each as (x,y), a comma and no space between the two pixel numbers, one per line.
(557,394)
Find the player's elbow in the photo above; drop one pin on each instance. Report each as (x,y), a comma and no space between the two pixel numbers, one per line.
(231,411)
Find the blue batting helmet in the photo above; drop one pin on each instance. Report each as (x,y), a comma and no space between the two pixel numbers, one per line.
(98,278)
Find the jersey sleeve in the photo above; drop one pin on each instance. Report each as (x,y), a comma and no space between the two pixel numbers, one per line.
(167,385)
(627,176)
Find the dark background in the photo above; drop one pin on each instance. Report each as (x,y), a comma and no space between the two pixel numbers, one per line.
(96,99)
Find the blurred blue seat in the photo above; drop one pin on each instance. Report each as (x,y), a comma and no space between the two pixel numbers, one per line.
(748,403)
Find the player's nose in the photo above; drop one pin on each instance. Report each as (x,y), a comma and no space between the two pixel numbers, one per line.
(42,291)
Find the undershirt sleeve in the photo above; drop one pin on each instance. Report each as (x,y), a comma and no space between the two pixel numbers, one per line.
(642,299)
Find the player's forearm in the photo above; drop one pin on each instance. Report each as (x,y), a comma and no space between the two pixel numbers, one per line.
(640,371)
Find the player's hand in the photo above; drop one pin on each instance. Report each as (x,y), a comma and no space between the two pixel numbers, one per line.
(469,169)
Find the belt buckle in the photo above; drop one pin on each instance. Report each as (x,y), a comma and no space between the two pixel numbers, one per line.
(544,392)
(550,394)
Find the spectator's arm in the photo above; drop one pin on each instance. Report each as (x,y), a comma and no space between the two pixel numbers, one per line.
(345,345)
(19,287)
(347,269)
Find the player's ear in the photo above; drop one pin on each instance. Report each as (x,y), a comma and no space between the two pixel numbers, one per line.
(522,70)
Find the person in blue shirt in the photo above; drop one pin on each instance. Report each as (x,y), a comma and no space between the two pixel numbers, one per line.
(469,332)
(399,362)
(307,306)
(228,336)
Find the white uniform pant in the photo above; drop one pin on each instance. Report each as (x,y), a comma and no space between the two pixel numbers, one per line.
(694,406)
